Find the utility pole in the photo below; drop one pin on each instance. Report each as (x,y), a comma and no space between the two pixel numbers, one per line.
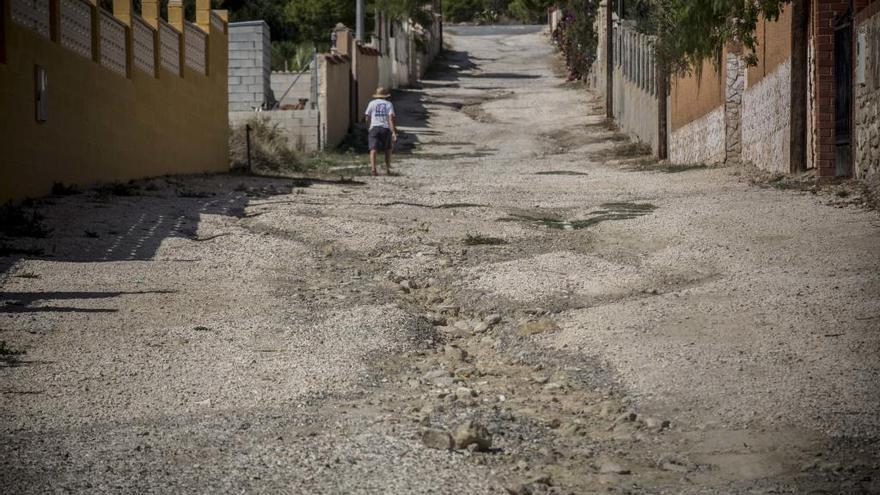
(662,119)
(609,58)
(359,24)
(440,12)
(800,26)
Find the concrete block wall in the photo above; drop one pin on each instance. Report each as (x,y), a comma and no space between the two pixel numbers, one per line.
(250,66)
(299,127)
(302,88)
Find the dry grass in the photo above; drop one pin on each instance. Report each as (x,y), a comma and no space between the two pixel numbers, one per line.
(270,149)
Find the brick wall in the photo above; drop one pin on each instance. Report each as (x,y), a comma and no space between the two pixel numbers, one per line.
(250,66)
(824,13)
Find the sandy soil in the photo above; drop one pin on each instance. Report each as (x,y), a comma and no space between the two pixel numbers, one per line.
(614,325)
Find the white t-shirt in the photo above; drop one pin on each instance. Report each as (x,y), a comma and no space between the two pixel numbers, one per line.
(380,113)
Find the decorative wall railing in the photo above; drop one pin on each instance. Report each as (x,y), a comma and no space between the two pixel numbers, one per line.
(77,32)
(169,47)
(634,55)
(144,43)
(113,49)
(217,21)
(32,14)
(196,48)
(76,26)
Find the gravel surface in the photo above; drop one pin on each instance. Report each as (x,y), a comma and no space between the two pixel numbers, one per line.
(529,306)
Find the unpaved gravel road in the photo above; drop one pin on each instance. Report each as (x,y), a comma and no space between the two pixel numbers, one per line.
(615,326)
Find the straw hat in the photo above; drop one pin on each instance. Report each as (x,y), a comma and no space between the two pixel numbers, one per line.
(381,93)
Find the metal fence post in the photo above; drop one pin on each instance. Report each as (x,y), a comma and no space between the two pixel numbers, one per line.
(247,132)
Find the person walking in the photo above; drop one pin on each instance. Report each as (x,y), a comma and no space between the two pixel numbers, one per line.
(383,128)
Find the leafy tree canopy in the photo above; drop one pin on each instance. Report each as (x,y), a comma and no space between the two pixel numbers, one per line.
(690,31)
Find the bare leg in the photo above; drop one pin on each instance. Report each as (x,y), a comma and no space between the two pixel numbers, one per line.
(373,162)
(388,162)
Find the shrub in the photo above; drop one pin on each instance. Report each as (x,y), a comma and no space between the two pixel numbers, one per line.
(15,221)
(269,147)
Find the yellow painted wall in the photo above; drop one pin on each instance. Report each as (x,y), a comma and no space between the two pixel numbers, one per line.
(694,96)
(367,74)
(102,126)
(335,76)
(773,47)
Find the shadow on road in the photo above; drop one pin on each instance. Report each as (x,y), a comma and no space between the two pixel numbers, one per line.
(28,302)
(97,227)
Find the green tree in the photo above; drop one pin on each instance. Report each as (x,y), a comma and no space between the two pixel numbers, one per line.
(314,19)
(271,11)
(691,31)
(417,10)
(461,10)
(529,11)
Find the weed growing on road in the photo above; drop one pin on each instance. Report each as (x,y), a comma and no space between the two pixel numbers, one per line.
(16,221)
(481,240)
(61,189)
(560,172)
(8,355)
(186,192)
(651,165)
(104,192)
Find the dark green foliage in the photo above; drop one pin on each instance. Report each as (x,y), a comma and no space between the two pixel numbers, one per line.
(271,11)
(487,11)
(529,11)
(17,221)
(691,31)
(462,10)
(314,19)
(577,38)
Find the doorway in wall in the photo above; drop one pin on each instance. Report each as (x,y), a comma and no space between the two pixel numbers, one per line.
(843,91)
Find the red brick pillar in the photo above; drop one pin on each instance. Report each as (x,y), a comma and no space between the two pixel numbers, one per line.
(824,13)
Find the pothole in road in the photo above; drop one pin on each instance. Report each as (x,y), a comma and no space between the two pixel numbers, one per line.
(666,168)
(608,212)
(560,172)
(451,156)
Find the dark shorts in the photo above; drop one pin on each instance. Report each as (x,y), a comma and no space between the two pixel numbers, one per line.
(380,139)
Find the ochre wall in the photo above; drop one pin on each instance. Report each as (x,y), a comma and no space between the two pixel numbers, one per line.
(773,48)
(335,76)
(696,95)
(367,74)
(102,126)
